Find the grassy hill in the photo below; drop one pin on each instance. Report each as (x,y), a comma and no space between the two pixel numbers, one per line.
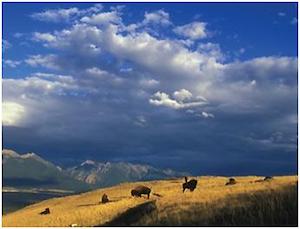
(212,203)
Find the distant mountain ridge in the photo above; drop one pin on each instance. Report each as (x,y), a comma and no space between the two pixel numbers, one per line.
(32,171)
(111,173)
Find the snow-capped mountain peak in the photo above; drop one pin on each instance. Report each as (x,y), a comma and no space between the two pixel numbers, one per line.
(88,162)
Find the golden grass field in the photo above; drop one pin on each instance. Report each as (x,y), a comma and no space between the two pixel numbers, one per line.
(174,207)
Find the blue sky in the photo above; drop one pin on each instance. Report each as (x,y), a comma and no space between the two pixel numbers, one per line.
(209,88)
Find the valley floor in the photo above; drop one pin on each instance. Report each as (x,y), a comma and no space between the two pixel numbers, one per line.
(247,203)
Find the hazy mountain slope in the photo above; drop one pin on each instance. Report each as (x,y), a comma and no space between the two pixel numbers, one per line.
(247,203)
(31,171)
(107,174)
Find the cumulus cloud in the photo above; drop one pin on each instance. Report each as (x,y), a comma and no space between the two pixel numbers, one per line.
(48,61)
(182,95)
(57,15)
(102,18)
(211,49)
(163,99)
(43,37)
(157,17)
(111,76)
(194,30)
(65,15)
(12,113)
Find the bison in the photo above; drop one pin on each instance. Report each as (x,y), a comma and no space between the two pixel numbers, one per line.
(141,190)
(45,212)
(231,181)
(191,185)
(268,178)
(104,199)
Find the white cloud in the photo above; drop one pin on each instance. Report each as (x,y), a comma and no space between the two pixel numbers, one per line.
(182,95)
(65,15)
(12,113)
(150,83)
(96,72)
(212,50)
(281,14)
(49,61)
(168,64)
(159,56)
(194,30)
(57,15)
(102,75)
(163,99)
(47,37)
(12,63)
(157,17)
(102,18)
(207,115)
(63,79)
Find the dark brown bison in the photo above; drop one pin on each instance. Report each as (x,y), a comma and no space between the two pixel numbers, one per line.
(231,181)
(141,190)
(104,199)
(191,185)
(268,178)
(45,212)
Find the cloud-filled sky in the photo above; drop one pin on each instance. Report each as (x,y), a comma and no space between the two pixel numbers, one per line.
(208,88)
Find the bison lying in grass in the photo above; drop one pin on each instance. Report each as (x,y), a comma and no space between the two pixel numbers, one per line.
(141,190)
(231,181)
(45,212)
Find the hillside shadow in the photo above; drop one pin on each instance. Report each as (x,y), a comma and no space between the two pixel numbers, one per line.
(260,208)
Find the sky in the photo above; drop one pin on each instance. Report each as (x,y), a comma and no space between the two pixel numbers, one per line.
(206,88)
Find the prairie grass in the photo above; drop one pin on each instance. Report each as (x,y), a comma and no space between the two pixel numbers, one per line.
(212,203)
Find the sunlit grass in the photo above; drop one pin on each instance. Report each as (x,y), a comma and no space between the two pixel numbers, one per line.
(174,207)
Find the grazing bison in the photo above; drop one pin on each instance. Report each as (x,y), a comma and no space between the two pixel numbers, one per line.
(141,190)
(104,199)
(268,178)
(231,181)
(191,185)
(45,212)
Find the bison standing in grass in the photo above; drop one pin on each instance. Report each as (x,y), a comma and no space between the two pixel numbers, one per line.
(141,190)
(104,199)
(191,185)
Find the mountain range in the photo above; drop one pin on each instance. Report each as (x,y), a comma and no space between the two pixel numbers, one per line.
(31,171)
(108,174)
